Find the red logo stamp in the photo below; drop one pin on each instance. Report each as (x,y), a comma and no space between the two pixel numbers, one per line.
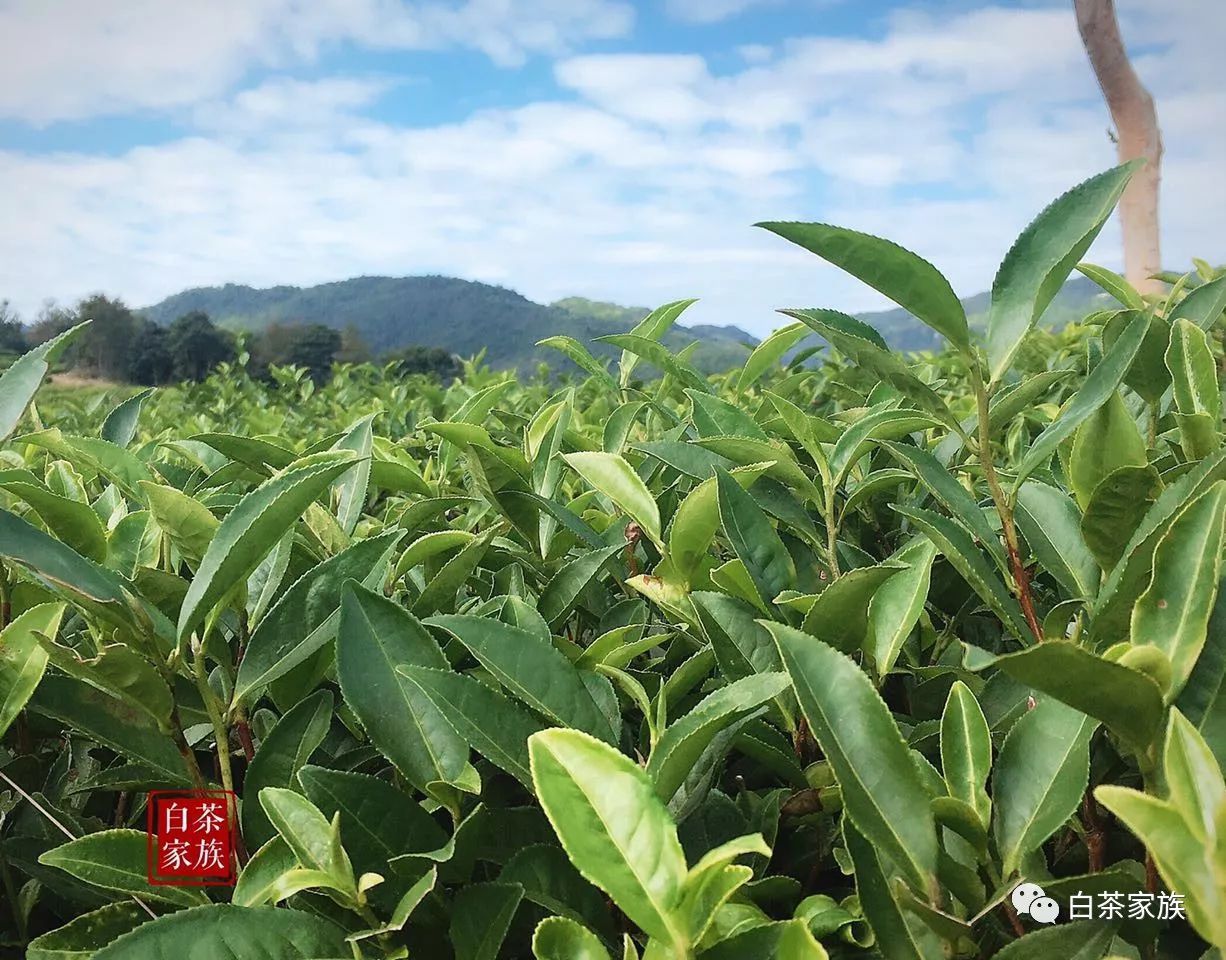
(191,843)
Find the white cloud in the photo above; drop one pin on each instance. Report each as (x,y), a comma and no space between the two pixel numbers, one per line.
(68,59)
(657,88)
(946,134)
(756,52)
(284,107)
(711,11)
(989,49)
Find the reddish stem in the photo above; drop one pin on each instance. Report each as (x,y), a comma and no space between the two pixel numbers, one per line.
(1096,834)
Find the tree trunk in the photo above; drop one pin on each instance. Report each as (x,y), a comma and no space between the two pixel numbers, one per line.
(1136,124)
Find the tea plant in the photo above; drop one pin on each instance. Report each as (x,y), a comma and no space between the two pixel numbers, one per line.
(802,661)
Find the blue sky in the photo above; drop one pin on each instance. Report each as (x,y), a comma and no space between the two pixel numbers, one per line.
(600,148)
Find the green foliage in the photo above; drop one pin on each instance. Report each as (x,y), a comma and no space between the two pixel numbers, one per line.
(103,349)
(151,362)
(121,345)
(429,361)
(789,662)
(196,346)
(311,346)
(13,341)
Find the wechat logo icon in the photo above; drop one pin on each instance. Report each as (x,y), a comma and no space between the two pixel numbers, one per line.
(1029,899)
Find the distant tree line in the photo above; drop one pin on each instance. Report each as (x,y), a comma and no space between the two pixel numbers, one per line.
(123,345)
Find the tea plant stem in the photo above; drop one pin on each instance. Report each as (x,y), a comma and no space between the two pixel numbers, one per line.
(1014,921)
(244,733)
(10,891)
(176,730)
(6,606)
(634,533)
(185,751)
(1096,834)
(832,535)
(24,743)
(1021,577)
(221,732)
(1151,873)
(237,709)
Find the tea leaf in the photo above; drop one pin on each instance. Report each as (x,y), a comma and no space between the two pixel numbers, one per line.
(25,375)
(1126,700)
(966,750)
(684,741)
(22,658)
(613,827)
(249,531)
(1173,614)
(910,281)
(769,352)
(251,933)
(1041,259)
(1097,389)
(491,724)
(374,637)
(83,936)
(558,938)
(754,539)
(616,479)
(1039,778)
(119,427)
(533,671)
(116,860)
(881,788)
(283,752)
(306,616)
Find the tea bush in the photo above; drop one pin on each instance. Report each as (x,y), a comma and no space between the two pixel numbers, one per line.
(807,660)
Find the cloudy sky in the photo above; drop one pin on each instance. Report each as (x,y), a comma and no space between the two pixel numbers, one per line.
(611,149)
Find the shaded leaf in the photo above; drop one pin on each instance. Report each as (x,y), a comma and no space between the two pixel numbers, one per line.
(374,637)
(116,860)
(480,917)
(881,788)
(232,933)
(282,753)
(1116,508)
(1039,778)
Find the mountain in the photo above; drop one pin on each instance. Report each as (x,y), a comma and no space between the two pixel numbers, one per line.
(465,317)
(461,316)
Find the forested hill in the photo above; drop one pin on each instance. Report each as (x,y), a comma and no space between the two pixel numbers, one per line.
(458,315)
(464,317)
